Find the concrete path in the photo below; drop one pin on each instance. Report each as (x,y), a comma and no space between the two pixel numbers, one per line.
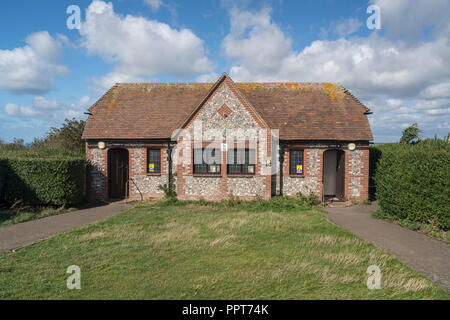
(19,235)
(427,256)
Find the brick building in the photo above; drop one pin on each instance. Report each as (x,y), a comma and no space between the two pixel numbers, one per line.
(226,139)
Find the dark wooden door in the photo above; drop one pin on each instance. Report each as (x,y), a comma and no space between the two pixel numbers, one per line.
(340,175)
(273,185)
(118,173)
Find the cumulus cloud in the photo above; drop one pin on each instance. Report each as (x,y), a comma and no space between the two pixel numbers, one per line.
(42,108)
(154,4)
(32,68)
(408,19)
(256,43)
(100,85)
(342,28)
(376,68)
(370,66)
(138,47)
(207,77)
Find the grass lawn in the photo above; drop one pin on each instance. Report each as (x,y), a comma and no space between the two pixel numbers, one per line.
(14,216)
(209,251)
(427,229)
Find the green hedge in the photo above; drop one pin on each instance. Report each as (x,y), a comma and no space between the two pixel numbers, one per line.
(2,177)
(413,182)
(42,181)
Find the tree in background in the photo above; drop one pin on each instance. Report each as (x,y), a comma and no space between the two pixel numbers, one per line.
(17,144)
(68,137)
(411,135)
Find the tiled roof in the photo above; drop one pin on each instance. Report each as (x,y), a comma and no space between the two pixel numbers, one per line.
(301,111)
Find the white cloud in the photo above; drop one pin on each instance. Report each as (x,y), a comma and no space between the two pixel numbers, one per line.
(154,4)
(436,91)
(32,68)
(348,27)
(256,42)
(107,81)
(207,77)
(375,69)
(342,28)
(139,47)
(12,109)
(43,108)
(406,18)
(43,103)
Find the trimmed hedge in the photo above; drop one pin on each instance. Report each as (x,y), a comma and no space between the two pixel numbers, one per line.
(42,181)
(413,182)
(2,177)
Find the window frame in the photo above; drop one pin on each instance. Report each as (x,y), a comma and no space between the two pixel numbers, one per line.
(302,162)
(219,165)
(148,160)
(242,165)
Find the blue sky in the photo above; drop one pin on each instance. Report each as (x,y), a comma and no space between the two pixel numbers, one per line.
(49,73)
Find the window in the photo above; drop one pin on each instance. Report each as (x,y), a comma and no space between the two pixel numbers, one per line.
(241,161)
(296,161)
(154,160)
(207,160)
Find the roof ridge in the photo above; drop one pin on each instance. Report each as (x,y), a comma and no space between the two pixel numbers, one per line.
(338,84)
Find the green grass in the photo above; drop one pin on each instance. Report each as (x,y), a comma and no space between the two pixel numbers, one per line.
(173,250)
(428,229)
(14,216)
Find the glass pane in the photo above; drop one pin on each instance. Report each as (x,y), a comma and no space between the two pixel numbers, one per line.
(199,168)
(296,162)
(251,156)
(241,156)
(214,169)
(217,156)
(234,168)
(198,156)
(153,160)
(231,156)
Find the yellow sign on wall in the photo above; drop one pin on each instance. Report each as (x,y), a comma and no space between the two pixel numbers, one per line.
(299,168)
(151,167)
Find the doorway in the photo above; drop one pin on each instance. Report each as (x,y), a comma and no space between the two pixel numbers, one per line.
(118,173)
(334,175)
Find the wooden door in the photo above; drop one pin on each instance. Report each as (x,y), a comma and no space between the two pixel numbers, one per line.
(118,173)
(340,175)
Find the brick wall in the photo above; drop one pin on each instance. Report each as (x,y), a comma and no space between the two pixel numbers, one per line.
(227,109)
(223,186)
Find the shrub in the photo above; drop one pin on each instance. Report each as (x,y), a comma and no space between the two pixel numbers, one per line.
(308,201)
(169,188)
(374,156)
(375,153)
(2,177)
(67,137)
(277,204)
(413,182)
(43,181)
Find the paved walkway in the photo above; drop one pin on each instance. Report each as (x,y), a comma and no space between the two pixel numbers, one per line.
(428,256)
(19,235)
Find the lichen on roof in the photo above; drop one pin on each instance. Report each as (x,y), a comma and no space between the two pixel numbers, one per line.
(334,90)
(151,85)
(112,103)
